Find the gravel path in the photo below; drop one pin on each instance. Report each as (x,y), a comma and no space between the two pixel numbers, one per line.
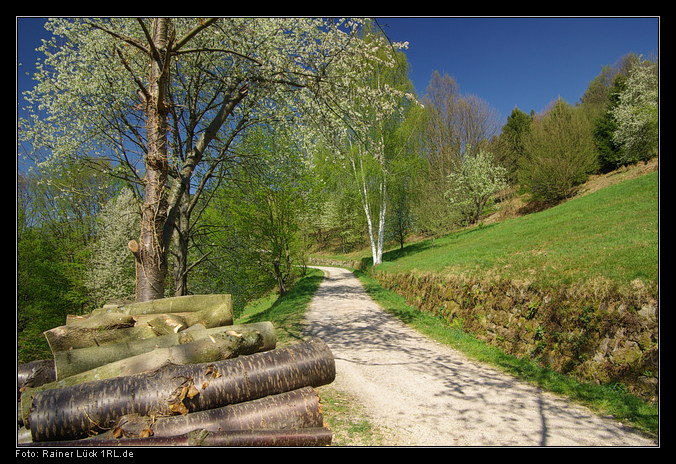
(431,395)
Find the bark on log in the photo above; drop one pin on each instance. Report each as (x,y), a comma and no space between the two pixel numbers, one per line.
(35,373)
(78,411)
(175,322)
(290,410)
(29,376)
(179,304)
(71,362)
(297,409)
(316,436)
(65,338)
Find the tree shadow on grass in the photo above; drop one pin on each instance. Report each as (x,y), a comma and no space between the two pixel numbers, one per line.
(287,312)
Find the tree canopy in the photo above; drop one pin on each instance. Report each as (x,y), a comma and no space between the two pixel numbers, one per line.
(163,99)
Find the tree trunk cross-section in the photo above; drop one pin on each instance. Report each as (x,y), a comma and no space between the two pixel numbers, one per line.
(85,409)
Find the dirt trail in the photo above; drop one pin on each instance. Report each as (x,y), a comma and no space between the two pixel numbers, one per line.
(430,395)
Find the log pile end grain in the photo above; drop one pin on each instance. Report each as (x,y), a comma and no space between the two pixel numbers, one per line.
(208,383)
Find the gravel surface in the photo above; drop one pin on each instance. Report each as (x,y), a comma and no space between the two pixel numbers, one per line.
(427,394)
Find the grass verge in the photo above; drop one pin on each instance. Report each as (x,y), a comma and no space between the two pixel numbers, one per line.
(287,312)
(604,399)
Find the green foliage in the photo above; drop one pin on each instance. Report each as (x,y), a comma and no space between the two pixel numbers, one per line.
(286,312)
(254,228)
(608,151)
(44,292)
(560,153)
(56,215)
(599,90)
(511,149)
(605,126)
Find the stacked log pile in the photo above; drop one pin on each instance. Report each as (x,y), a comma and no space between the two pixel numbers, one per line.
(173,372)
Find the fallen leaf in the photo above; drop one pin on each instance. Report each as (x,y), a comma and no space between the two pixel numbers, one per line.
(192,391)
(178,408)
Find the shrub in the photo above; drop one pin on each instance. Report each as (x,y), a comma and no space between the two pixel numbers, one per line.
(560,154)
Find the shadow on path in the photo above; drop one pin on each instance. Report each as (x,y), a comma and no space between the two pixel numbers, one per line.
(431,395)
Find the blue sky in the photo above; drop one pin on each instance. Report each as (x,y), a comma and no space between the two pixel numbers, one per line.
(520,62)
(508,62)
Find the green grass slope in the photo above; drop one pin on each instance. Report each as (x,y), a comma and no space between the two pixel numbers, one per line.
(610,234)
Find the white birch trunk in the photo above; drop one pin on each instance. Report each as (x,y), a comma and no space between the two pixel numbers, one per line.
(376,241)
(378,257)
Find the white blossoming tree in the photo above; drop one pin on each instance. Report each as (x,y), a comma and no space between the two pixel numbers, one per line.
(165,99)
(110,274)
(637,113)
(474,182)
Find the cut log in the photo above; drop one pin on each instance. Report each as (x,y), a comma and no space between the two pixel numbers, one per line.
(216,346)
(78,411)
(316,436)
(65,337)
(297,409)
(209,317)
(71,362)
(103,320)
(77,335)
(179,304)
(290,410)
(35,373)
(32,375)
(140,320)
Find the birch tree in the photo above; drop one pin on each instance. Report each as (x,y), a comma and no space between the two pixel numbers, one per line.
(361,127)
(165,97)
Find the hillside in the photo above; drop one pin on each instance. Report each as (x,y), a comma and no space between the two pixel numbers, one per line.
(611,233)
(573,287)
(608,229)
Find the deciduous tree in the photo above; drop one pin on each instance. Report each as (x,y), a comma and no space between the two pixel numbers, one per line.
(560,153)
(360,128)
(165,97)
(637,114)
(473,184)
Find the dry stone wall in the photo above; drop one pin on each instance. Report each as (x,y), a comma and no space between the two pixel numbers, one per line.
(594,332)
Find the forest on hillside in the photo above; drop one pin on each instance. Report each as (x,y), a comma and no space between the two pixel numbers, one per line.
(187,156)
